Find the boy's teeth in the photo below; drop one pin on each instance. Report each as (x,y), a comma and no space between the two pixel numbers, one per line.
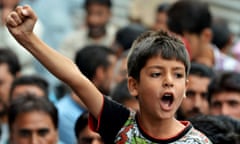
(167,99)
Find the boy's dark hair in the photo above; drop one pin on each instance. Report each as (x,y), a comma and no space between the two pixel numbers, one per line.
(218,130)
(163,7)
(81,123)
(31,80)
(91,57)
(151,44)
(189,16)
(201,70)
(30,103)
(8,57)
(107,3)
(120,93)
(126,35)
(224,82)
(221,33)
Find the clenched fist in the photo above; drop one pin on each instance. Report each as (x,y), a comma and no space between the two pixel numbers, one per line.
(20,22)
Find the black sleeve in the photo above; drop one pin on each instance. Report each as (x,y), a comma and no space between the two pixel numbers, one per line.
(111,120)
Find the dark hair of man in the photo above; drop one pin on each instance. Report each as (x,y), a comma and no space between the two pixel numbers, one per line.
(221,33)
(81,123)
(126,35)
(218,130)
(189,16)
(224,82)
(201,70)
(233,121)
(30,103)
(91,57)
(106,3)
(10,58)
(120,93)
(35,80)
(151,44)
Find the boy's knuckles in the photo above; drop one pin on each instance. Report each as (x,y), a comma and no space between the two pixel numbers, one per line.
(19,12)
(10,21)
(15,18)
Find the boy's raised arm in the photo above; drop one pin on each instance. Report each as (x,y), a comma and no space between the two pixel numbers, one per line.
(21,23)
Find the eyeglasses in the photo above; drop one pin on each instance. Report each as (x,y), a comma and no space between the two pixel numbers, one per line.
(89,140)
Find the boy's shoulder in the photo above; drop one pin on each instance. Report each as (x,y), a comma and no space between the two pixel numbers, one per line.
(194,136)
(132,133)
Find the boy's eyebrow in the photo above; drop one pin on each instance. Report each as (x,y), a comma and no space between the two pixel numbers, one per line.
(161,67)
(179,68)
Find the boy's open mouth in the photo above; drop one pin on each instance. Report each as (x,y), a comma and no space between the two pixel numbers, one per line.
(167,100)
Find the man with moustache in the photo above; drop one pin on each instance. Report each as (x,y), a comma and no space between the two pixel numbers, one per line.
(9,69)
(33,120)
(196,100)
(97,29)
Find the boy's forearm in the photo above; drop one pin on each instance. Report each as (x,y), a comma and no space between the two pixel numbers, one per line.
(20,23)
(64,69)
(60,66)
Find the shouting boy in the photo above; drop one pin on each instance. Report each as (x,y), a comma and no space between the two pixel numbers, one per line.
(158,67)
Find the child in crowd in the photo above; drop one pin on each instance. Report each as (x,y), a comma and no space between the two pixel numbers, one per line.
(83,133)
(158,66)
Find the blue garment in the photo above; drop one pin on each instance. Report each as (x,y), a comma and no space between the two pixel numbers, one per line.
(5,134)
(57,18)
(69,111)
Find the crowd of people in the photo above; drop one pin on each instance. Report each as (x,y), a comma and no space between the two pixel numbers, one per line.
(177,81)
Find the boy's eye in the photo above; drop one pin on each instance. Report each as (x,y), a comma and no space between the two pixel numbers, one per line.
(178,75)
(155,74)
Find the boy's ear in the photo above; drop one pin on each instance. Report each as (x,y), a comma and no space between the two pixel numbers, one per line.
(186,83)
(186,86)
(132,86)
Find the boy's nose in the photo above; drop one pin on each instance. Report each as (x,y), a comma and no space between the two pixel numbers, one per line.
(168,82)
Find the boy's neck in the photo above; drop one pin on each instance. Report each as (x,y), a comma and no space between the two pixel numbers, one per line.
(161,129)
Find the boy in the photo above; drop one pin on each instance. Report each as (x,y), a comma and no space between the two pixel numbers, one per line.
(158,66)
(83,133)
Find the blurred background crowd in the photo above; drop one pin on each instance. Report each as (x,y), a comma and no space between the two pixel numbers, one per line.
(96,35)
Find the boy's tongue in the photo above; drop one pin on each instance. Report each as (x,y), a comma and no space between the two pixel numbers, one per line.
(166,103)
